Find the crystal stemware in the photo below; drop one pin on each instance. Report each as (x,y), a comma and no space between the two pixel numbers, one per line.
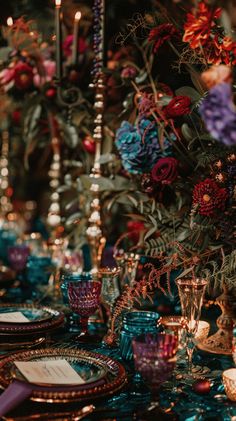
(84,299)
(110,291)
(154,359)
(66,277)
(191,294)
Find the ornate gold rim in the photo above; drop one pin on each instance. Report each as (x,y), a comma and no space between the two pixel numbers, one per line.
(35,327)
(63,396)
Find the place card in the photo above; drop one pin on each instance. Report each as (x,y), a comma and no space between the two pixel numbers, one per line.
(13,317)
(57,372)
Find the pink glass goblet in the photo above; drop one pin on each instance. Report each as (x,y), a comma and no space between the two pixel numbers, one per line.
(154,357)
(84,299)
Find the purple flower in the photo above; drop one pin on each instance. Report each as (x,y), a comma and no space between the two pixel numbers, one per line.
(219,115)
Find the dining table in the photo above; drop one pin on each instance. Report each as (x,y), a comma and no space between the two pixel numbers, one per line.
(177,399)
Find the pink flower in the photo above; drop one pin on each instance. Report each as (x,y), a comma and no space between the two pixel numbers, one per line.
(49,68)
(67,45)
(6,78)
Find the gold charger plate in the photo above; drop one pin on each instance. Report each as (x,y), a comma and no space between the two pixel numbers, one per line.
(111,375)
(45,320)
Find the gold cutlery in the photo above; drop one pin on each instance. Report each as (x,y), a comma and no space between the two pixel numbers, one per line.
(57,416)
(19,345)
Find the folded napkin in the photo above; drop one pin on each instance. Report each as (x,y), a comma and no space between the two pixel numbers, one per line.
(15,393)
(18,391)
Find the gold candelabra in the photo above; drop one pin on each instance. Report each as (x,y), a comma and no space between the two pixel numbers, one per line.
(54,211)
(94,231)
(5,202)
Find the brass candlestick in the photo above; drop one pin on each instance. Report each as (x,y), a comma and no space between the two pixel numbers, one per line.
(54,211)
(94,231)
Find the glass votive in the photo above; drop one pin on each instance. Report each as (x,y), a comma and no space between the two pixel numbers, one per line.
(35,242)
(39,269)
(17,256)
(7,238)
(136,323)
(174,324)
(154,357)
(229,381)
(203,330)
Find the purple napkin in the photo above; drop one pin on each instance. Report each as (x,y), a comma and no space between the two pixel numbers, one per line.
(15,393)
(18,391)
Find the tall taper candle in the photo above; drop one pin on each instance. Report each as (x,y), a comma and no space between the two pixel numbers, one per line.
(58,39)
(74,57)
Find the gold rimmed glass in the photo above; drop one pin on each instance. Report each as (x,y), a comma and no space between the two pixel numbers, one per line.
(191,294)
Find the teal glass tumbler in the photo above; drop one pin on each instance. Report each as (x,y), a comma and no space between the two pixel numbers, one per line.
(134,324)
(38,270)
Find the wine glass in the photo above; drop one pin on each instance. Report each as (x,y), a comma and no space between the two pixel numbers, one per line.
(66,277)
(84,299)
(191,294)
(110,291)
(154,359)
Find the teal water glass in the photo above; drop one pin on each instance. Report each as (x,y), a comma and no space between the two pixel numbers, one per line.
(38,270)
(7,239)
(136,323)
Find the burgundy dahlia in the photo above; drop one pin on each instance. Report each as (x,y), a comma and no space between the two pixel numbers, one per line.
(209,197)
(165,170)
(161,34)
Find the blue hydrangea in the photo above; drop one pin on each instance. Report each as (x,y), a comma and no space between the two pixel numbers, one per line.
(139,147)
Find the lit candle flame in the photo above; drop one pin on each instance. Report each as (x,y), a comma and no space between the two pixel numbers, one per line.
(9,21)
(58,3)
(77,15)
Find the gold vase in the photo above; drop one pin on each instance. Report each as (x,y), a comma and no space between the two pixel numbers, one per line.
(221,341)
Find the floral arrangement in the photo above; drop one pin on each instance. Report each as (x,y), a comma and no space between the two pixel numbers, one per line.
(178,144)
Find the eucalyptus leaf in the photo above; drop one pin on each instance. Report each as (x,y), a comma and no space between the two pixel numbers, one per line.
(102,182)
(107,157)
(141,77)
(4,53)
(70,135)
(73,218)
(183,235)
(190,92)
(71,204)
(187,132)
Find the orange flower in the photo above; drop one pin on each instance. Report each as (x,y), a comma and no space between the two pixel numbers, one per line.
(217,74)
(198,26)
(221,50)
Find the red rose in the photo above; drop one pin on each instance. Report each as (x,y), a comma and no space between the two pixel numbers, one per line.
(209,197)
(165,170)
(178,106)
(23,76)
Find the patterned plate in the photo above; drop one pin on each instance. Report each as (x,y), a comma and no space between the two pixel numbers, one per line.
(33,314)
(102,374)
(41,319)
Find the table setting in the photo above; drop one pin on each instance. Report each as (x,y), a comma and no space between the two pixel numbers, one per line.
(145,374)
(118,210)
